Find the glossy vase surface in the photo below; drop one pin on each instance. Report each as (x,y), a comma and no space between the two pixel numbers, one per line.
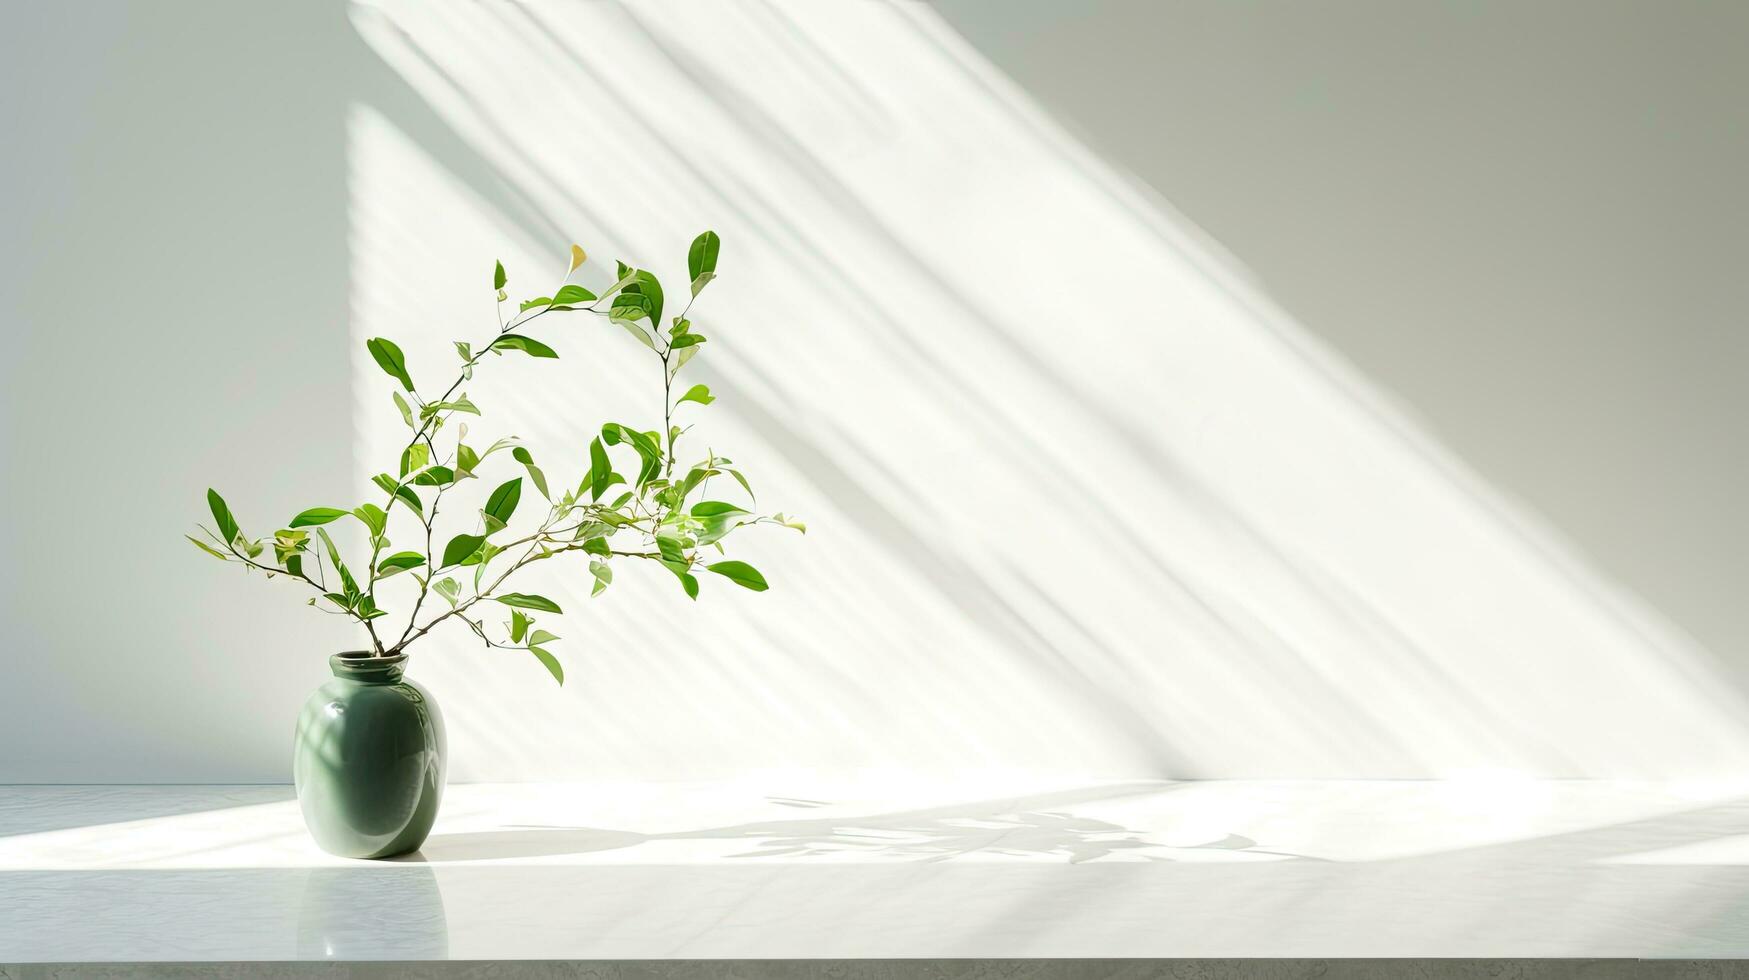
(369,759)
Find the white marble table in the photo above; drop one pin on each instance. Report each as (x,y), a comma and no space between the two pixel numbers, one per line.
(786,867)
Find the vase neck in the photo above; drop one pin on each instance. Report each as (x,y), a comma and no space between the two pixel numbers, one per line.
(360,666)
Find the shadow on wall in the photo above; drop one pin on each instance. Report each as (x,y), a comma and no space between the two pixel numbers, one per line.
(1081,499)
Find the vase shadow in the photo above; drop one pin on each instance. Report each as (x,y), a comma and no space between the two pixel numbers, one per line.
(521,842)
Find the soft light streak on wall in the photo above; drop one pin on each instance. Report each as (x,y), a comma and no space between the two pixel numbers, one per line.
(1082,500)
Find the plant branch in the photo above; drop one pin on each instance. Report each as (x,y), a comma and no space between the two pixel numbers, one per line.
(426,427)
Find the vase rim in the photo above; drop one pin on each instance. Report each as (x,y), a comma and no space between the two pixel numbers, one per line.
(362,665)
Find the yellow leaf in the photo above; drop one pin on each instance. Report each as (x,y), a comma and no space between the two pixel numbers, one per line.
(577,258)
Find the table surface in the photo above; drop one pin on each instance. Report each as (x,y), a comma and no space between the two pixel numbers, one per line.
(998,867)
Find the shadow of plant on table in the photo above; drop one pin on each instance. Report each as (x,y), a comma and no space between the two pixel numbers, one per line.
(1035,827)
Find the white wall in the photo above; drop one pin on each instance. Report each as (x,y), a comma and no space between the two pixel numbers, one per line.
(1082,498)
(1528,221)
(174,273)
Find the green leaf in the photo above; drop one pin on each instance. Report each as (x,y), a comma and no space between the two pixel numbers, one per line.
(317,515)
(529,304)
(415,457)
(498,277)
(690,584)
(715,508)
(687,340)
(528,345)
(600,467)
(631,305)
(541,636)
(448,588)
(572,294)
(373,517)
(465,458)
(625,279)
(519,623)
(602,572)
(522,600)
(481,559)
(551,663)
(390,359)
(534,472)
(503,443)
(435,476)
(458,405)
(697,393)
(367,609)
(406,410)
(646,285)
(404,494)
(228,529)
(346,579)
(209,549)
(743,482)
(503,501)
(701,260)
(398,563)
(288,541)
(614,433)
(694,477)
(638,332)
(460,547)
(686,354)
(465,349)
(741,573)
(333,552)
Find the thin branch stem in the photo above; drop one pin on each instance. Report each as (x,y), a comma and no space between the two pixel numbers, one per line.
(426,427)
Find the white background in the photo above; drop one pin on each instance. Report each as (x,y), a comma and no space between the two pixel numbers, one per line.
(1082,497)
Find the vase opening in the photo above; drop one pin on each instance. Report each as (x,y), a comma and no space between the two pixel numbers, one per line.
(361,666)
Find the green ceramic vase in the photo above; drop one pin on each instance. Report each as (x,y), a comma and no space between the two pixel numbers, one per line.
(369,759)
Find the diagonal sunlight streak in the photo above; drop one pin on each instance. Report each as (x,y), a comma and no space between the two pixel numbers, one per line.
(1081,499)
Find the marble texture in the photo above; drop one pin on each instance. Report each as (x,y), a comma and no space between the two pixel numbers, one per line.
(989,868)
